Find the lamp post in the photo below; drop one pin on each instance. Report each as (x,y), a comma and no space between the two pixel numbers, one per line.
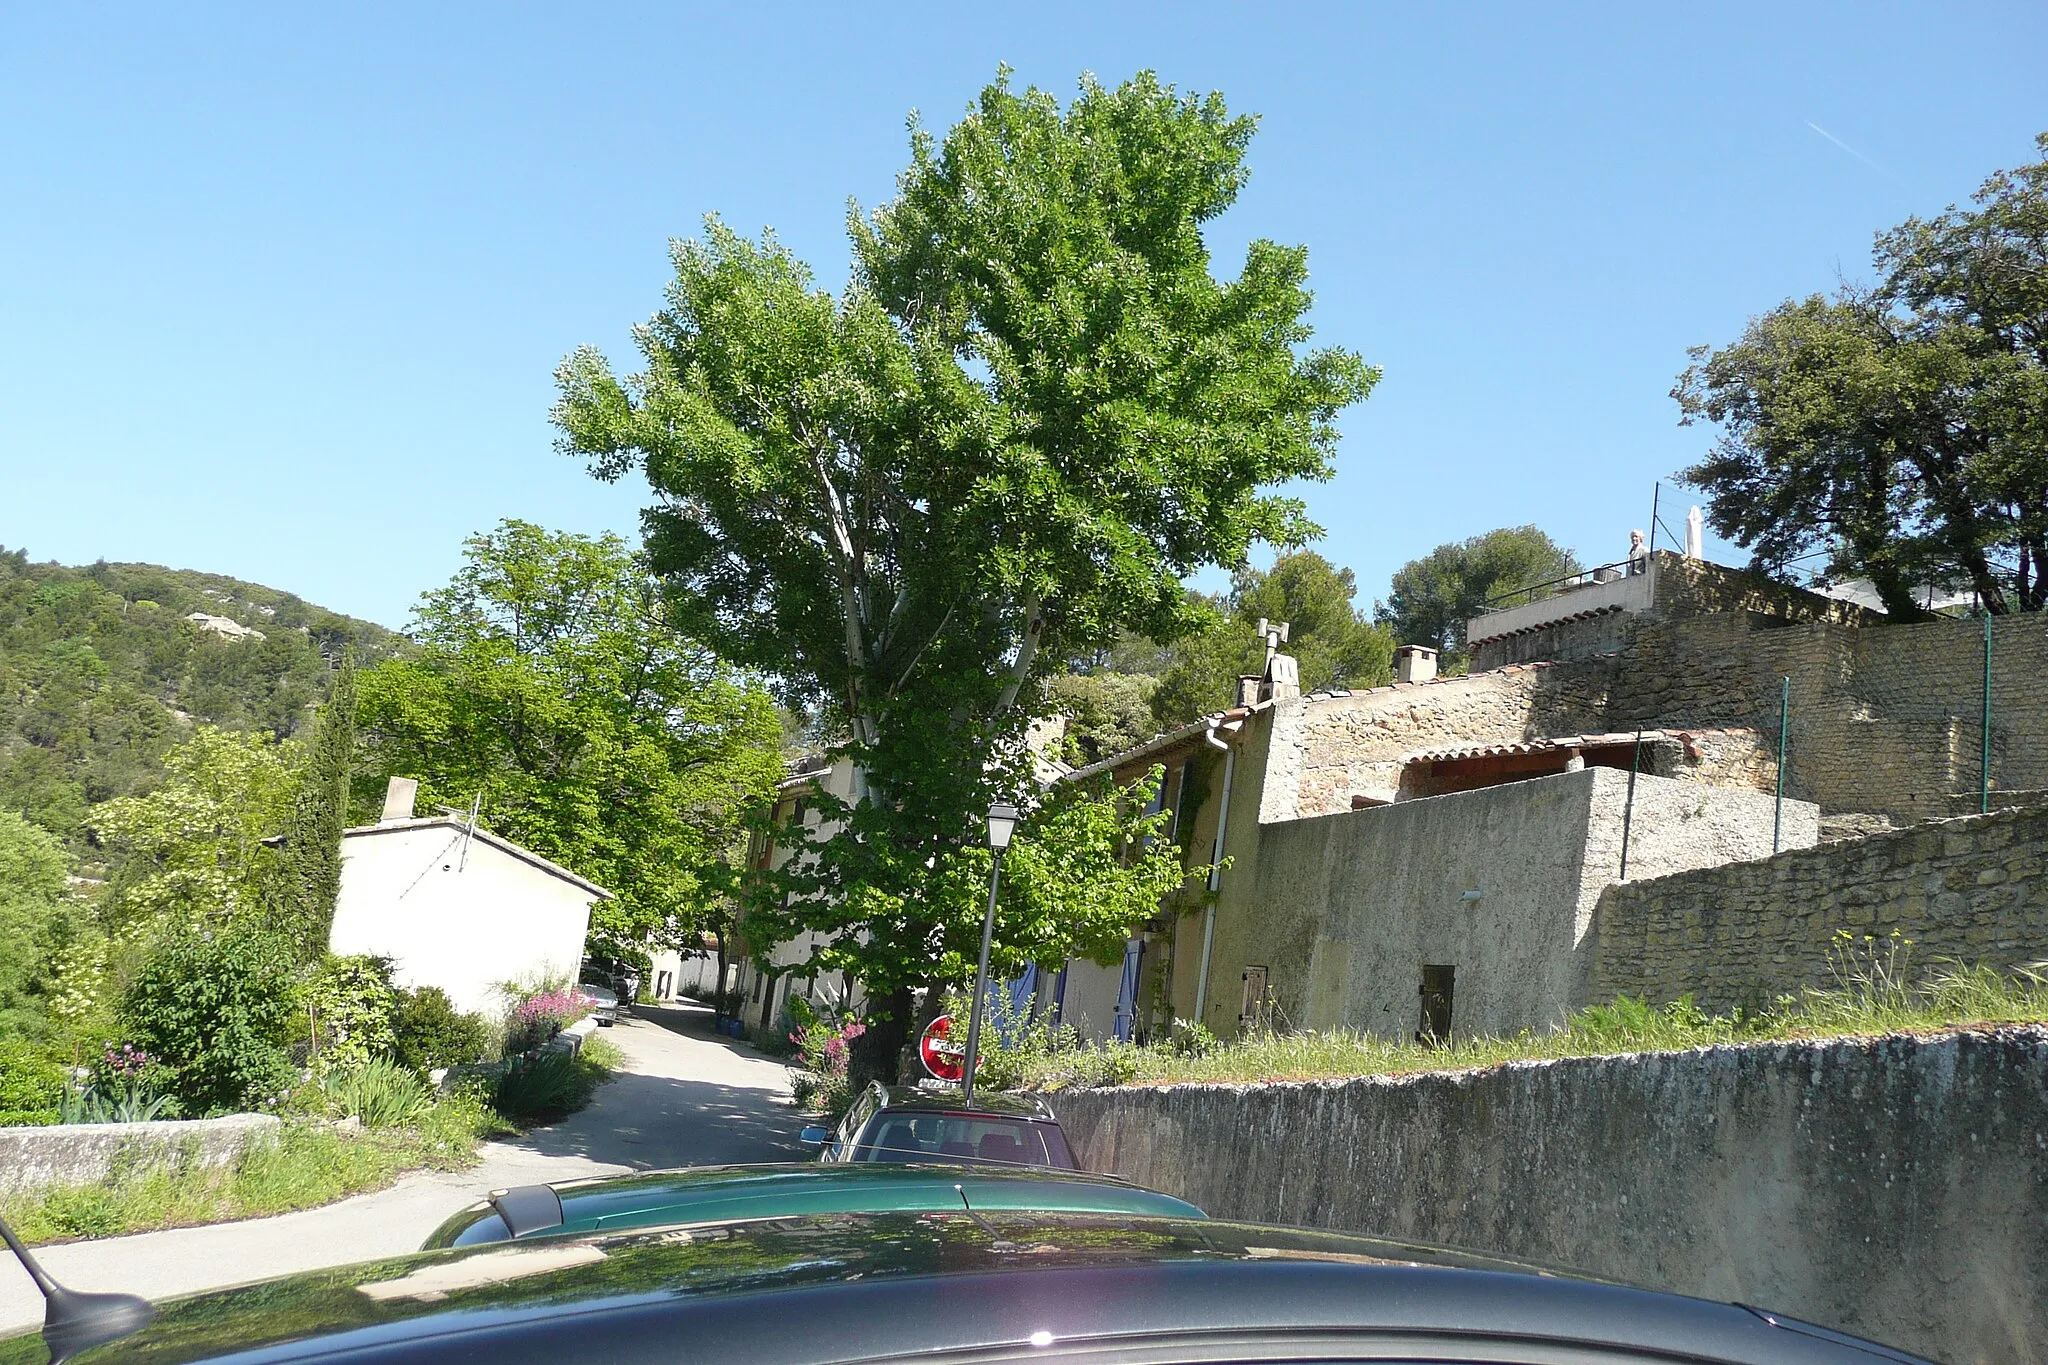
(1002,823)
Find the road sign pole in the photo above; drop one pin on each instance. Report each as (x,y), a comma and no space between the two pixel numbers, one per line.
(988,930)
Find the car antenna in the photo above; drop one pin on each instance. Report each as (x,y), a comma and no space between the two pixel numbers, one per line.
(74,1320)
(1000,1242)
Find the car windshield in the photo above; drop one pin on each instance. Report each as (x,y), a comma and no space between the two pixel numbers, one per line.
(963,1137)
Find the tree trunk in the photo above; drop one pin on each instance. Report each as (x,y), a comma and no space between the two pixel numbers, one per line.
(875,1054)
(718,987)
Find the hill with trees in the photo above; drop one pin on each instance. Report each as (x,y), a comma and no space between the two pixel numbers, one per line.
(103,669)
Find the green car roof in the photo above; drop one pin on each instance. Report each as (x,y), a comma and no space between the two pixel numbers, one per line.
(730,1194)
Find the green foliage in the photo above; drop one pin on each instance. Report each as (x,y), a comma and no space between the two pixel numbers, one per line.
(824,1043)
(31,1084)
(1333,642)
(310,1164)
(1031,413)
(309,875)
(1432,598)
(545,1086)
(1873,991)
(1901,429)
(381,1093)
(40,925)
(194,852)
(101,674)
(548,685)
(354,1008)
(430,1032)
(1106,712)
(215,1009)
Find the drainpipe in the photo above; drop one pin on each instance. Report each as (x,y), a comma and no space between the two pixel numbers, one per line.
(1216,866)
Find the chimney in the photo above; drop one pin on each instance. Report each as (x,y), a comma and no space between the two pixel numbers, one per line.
(1414,663)
(398,795)
(1248,685)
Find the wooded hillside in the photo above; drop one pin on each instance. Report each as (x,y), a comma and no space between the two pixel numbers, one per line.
(102,671)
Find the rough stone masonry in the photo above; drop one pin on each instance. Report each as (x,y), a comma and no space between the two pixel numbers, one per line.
(1894,1187)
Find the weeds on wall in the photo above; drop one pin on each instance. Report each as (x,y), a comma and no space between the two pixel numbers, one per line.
(1873,989)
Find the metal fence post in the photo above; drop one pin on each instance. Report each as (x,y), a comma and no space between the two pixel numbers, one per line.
(1784,713)
(1984,781)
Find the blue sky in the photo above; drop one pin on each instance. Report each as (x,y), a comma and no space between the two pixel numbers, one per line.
(281,292)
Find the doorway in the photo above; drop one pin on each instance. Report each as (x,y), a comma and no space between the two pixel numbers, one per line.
(1439,987)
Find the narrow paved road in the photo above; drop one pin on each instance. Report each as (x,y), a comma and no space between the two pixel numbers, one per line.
(683,1098)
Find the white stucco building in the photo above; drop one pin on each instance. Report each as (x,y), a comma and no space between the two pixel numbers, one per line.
(457,907)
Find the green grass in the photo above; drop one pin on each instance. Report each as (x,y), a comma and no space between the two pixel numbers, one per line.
(311,1163)
(1874,994)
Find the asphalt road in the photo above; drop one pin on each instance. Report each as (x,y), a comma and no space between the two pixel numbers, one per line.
(684,1097)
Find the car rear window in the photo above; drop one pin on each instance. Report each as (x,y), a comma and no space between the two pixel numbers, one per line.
(960,1137)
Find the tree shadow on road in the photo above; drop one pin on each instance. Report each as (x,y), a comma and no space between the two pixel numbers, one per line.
(650,1122)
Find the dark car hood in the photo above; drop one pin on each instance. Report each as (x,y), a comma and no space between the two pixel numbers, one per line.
(781,1290)
(719,1194)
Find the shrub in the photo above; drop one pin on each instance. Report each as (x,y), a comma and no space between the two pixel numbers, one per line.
(824,1045)
(544,1086)
(540,1017)
(431,1032)
(381,1093)
(125,1085)
(31,1085)
(352,1003)
(215,1010)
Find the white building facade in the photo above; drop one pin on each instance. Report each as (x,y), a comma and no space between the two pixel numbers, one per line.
(458,907)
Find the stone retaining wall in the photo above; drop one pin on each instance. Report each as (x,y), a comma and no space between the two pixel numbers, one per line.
(1893,1187)
(1974,890)
(82,1153)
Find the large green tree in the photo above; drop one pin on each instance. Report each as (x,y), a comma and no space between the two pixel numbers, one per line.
(1031,413)
(550,690)
(1431,598)
(1335,644)
(192,851)
(1899,430)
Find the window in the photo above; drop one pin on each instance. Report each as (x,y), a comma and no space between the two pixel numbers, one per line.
(901,1136)
(1438,988)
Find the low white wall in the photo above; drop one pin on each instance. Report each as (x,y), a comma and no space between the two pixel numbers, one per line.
(82,1153)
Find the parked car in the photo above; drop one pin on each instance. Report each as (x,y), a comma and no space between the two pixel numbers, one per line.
(912,1123)
(611,985)
(726,1194)
(990,1287)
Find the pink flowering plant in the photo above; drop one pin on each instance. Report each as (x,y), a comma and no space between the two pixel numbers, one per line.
(824,1045)
(542,1015)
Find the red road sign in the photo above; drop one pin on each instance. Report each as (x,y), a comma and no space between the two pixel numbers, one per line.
(945,1060)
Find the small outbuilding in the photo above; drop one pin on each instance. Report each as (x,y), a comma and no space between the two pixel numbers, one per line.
(457,907)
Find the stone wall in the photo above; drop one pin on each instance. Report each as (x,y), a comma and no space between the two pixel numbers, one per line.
(82,1153)
(1893,1187)
(1328,749)
(1883,719)
(1973,889)
(1500,883)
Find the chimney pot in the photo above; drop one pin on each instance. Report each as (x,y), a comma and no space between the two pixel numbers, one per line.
(1414,663)
(398,796)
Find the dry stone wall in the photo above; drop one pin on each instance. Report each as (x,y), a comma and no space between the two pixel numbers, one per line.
(1884,719)
(1974,890)
(1893,1187)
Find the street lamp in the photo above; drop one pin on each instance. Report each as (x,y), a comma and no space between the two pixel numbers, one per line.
(1002,823)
